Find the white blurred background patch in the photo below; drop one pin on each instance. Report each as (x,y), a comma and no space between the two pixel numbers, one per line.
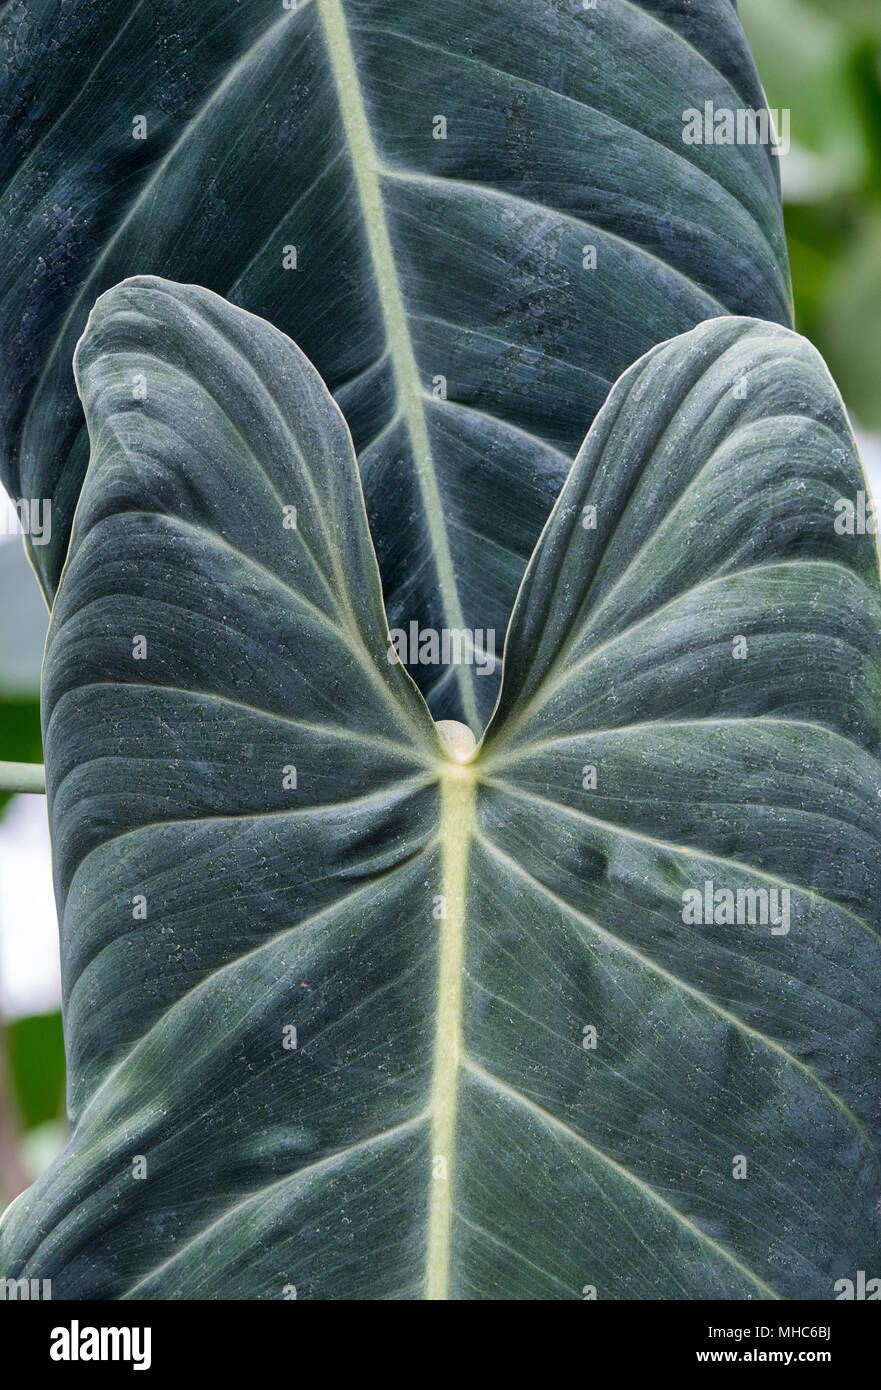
(30,980)
(29,973)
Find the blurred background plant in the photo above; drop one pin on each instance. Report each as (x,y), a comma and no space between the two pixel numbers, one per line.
(821,59)
(32,1126)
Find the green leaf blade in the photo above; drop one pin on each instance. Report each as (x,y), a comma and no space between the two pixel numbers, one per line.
(265,653)
(440,285)
(637,763)
(527,1066)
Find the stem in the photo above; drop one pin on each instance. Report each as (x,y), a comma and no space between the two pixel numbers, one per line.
(22,777)
(456,824)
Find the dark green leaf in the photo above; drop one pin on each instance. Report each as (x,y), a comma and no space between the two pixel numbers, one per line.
(419,261)
(443,931)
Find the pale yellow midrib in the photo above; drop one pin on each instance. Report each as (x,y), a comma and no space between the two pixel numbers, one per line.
(457,803)
(365,166)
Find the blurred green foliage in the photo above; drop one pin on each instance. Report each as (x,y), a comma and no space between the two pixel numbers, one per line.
(20,740)
(821,59)
(35,1049)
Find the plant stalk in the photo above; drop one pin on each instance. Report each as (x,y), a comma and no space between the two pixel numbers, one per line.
(22,777)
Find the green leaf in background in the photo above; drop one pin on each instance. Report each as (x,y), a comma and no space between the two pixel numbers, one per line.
(35,1048)
(850,320)
(823,62)
(861,16)
(416,1024)
(417,194)
(20,731)
(803,57)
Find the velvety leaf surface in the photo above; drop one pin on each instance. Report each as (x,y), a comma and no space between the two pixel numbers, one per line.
(691,697)
(441,286)
(524,1068)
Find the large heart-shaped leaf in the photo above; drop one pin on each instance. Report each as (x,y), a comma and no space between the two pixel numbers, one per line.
(445,288)
(520,1067)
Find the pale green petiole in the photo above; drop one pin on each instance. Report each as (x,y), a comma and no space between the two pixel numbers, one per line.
(22,777)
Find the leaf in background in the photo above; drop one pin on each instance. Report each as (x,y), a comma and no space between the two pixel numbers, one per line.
(803,56)
(850,323)
(36,1061)
(824,63)
(443,934)
(860,15)
(456,266)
